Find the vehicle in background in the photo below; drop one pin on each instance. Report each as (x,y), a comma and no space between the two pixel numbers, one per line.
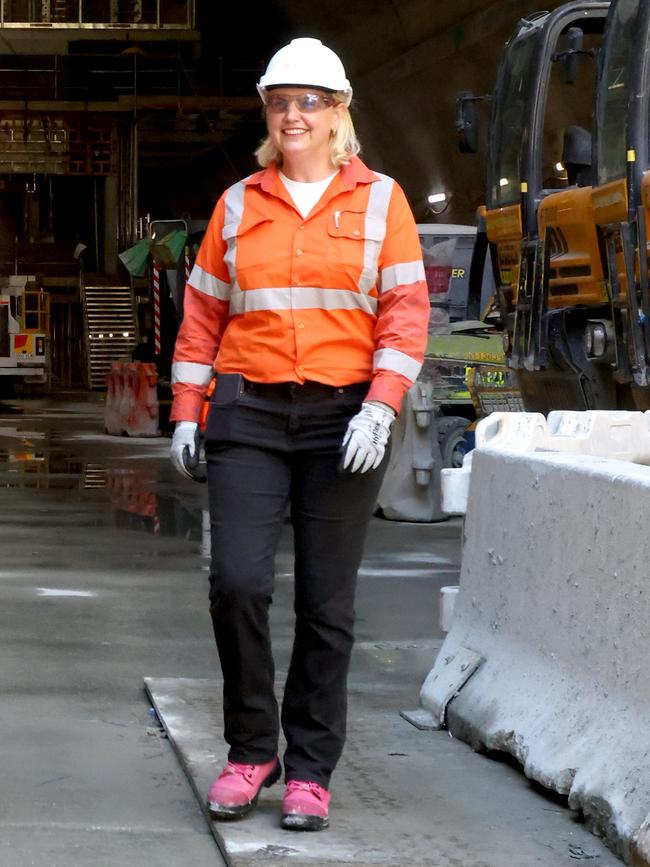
(24,328)
(539,143)
(464,347)
(592,322)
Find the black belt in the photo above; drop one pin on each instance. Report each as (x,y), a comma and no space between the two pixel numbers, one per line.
(305,389)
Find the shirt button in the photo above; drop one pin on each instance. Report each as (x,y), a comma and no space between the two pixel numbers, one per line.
(300,367)
(301,227)
(356,232)
(301,325)
(298,252)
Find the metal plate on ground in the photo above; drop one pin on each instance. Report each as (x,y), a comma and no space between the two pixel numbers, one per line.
(365,803)
(422,719)
(447,677)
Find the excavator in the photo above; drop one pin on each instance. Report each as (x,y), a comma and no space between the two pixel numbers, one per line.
(581,338)
(540,146)
(600,359)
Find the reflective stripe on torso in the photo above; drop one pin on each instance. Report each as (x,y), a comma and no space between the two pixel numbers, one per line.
(312,275)
(337,297)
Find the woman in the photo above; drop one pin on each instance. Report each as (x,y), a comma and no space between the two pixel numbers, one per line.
(308,299)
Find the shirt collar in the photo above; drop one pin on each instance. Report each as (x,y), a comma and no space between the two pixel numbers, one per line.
(355,172)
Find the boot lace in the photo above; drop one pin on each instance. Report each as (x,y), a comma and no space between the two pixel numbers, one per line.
(300,786)
(234,769)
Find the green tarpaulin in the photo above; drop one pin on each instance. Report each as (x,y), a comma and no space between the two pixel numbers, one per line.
(166,252)
(135,258)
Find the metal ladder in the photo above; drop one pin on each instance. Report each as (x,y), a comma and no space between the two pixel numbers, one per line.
(109,329)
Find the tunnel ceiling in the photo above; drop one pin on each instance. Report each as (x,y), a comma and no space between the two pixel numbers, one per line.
(406,60)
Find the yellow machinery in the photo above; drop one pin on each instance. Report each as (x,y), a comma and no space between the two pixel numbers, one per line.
(581,338)
(24,327)
(539,152)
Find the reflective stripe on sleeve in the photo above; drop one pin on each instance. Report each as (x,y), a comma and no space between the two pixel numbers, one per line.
(232,218)
(402,274)
(300,298)
(207,283)
(398,362)
(376,216)
(192,373)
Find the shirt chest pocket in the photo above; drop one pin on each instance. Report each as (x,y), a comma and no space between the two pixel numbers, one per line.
(355,240)
(249,252)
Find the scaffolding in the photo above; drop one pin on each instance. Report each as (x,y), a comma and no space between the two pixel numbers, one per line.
(92,14)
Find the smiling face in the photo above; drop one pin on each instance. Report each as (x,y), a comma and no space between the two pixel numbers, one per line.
(302,135)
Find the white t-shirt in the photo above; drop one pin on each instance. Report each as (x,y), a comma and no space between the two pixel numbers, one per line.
(305,194)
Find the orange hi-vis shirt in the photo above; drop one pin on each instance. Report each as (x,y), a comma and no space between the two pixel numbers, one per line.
(337,297)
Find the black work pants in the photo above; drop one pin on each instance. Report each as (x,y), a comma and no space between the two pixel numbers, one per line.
(267,447)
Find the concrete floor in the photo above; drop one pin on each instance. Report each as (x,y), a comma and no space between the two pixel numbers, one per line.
(103,582)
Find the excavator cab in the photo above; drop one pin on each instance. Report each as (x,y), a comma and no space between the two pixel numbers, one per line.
(586,340)
(540,146)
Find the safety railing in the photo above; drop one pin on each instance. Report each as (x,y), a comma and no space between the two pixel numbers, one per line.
(94,14)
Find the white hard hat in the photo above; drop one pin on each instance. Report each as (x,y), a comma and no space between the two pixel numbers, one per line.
(306,62)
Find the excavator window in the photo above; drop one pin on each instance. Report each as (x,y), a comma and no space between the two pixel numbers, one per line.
(507,127)
(612,109)
(566,140)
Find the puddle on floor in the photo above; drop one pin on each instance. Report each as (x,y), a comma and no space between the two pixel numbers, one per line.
(133,491)
(38,452)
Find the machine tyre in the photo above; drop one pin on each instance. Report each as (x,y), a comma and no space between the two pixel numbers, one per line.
(451,438)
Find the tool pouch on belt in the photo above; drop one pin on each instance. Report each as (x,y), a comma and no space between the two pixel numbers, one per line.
(229,388)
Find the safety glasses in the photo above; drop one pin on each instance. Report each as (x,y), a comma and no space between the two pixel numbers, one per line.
(277,103)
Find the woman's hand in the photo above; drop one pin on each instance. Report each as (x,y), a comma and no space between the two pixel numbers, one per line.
(185,450)
(365,440)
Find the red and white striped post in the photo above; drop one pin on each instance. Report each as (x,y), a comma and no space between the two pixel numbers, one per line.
(156,309)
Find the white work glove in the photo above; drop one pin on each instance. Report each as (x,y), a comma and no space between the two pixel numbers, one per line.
(185,450)
(365,440)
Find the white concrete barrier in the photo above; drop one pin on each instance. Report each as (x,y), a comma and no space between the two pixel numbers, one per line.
(547,656)
(616,435)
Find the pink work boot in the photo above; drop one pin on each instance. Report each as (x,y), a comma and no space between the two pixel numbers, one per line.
(235,791)
(305,806)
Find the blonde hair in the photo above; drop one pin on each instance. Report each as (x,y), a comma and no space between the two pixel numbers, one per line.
(344,144)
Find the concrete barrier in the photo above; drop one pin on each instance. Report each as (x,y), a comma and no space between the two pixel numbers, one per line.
(411,487)
(546,658)
(616,435)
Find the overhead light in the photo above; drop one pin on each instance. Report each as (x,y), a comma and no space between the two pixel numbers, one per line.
(437,198)
(125,334)
(504,182)
(559,167)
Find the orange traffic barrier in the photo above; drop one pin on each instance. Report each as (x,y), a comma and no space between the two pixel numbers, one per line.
(132,400)
(142,420)
(114,390)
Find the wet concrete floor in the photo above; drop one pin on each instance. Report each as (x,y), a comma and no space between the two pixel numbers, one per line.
(103,582)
